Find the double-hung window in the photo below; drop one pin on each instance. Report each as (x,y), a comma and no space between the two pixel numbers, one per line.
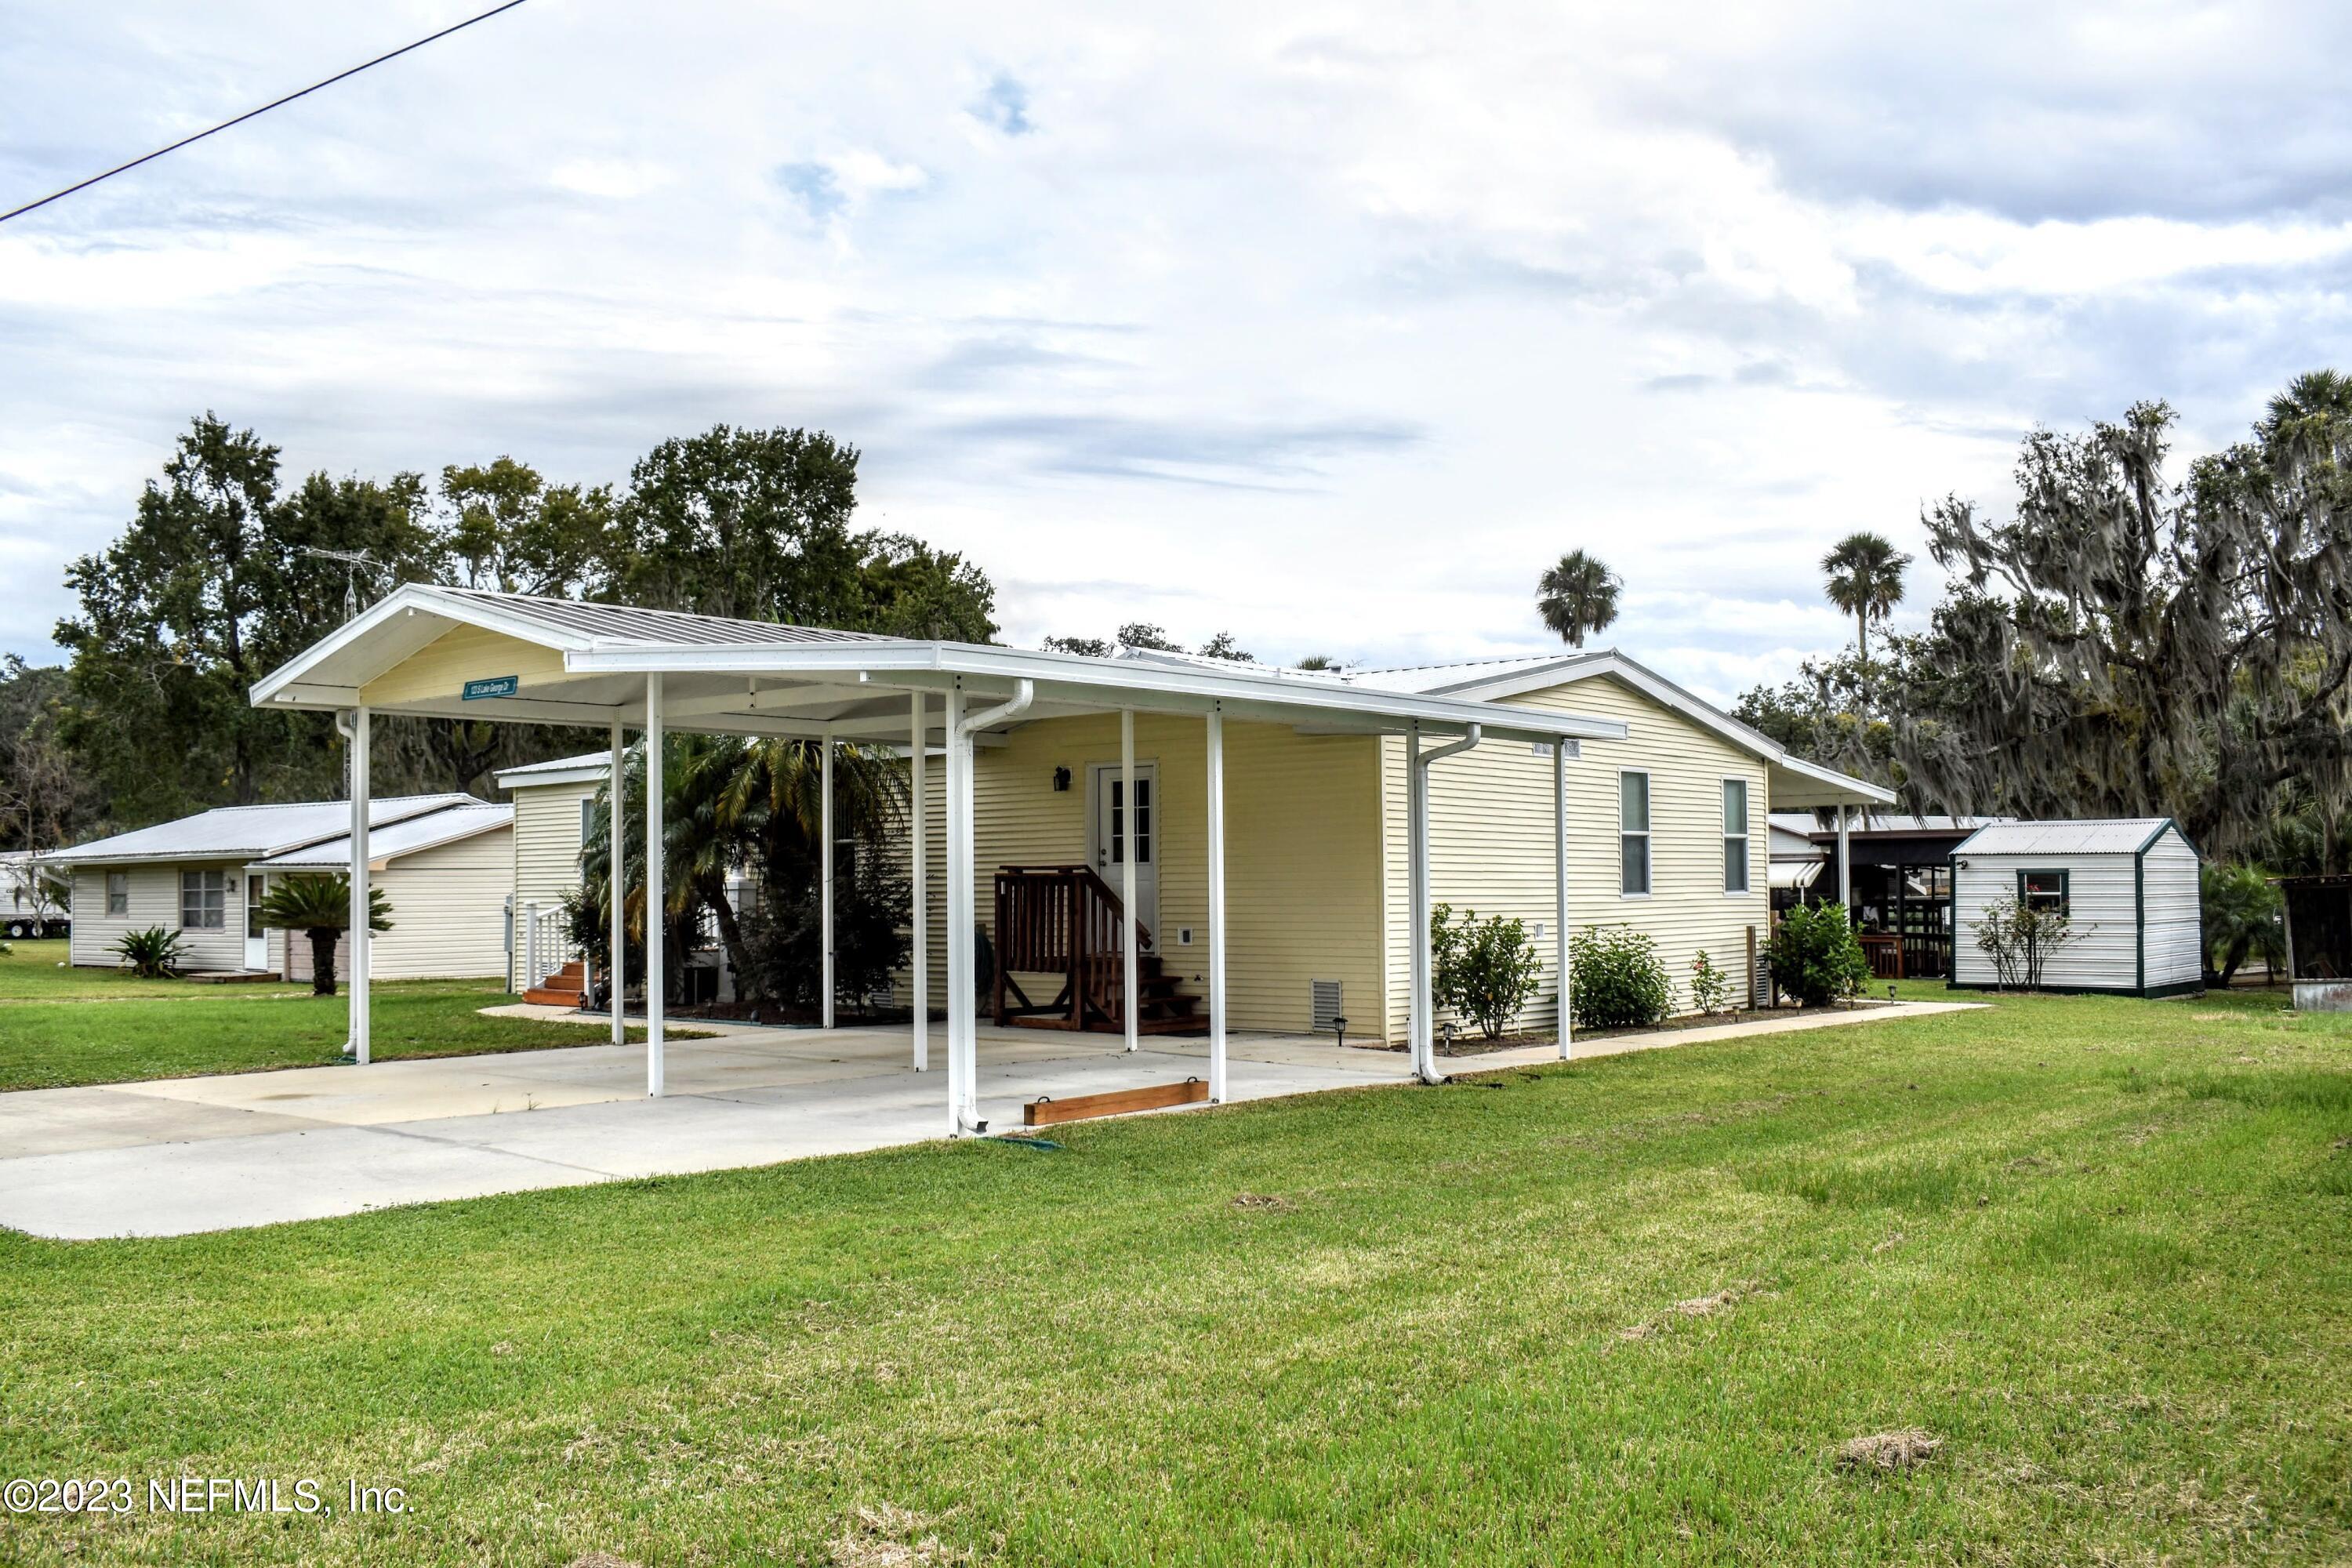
(118,892)
(1634,835)
(204,900)
(1735,835)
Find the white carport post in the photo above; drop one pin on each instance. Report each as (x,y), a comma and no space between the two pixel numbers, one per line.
(654,921)
(1846,868)
(1126,839)
(918,857)
(1560,889)
(963,1024)
(824,874)
(1421,1031)
(1217,812)
(616,890)
(959,869)
(358,935)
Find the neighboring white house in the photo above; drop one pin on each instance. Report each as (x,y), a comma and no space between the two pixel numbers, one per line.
(2129,886)
(199,876)
(445,874)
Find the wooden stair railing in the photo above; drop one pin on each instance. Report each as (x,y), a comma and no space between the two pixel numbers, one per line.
(1067,920)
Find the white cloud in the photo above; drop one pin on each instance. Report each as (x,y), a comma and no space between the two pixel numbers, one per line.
(1330,328)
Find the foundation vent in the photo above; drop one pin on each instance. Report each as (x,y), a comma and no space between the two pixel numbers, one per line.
(1325,1004)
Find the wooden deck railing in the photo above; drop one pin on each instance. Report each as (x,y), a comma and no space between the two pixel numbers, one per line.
(1065,920)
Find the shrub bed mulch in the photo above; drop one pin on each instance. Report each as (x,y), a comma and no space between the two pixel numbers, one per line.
(1479,1046)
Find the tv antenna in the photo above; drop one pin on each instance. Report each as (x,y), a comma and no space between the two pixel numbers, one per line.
(354,560)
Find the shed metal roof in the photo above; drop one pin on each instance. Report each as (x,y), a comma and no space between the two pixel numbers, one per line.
(390,842)
(231,832)
(2101,836)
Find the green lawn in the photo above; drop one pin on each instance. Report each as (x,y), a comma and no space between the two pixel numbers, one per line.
(61,1026)
(2102,1249)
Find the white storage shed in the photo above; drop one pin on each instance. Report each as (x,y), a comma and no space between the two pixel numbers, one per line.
(2130,886)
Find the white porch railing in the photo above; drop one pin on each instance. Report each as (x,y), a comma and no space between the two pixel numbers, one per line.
(544,943)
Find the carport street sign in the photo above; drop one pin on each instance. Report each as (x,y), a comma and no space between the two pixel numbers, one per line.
(496,686)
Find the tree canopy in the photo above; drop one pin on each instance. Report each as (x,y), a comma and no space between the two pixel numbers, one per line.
(224,571)
(1576,596)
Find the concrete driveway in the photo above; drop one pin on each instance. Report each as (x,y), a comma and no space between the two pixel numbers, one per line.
(180,1156)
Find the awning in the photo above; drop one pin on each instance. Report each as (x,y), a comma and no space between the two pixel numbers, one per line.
(1794,874)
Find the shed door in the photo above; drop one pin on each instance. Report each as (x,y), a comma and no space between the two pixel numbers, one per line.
(1107,833)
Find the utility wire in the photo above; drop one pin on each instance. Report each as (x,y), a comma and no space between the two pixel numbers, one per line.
(251,113)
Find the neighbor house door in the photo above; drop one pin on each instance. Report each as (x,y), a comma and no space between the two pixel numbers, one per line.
(1108,831)
(256,936)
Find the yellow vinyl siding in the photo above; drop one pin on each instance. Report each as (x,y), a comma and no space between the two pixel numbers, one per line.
(547,840)
(448,909)
(1490,831)
(1302,874)
(439,670)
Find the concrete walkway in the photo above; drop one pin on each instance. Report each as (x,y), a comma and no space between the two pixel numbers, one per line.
(181,1155)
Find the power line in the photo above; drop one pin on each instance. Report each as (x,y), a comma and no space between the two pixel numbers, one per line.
(250,113)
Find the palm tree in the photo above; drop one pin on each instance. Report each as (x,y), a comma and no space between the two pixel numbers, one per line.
(1865,581)
(321,909)
(1577,597)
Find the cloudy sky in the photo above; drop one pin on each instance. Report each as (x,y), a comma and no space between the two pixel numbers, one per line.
(1330,324)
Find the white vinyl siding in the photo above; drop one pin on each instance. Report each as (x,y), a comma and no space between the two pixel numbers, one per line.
(448,908)
(549,822)
(151,897)
(1490,814)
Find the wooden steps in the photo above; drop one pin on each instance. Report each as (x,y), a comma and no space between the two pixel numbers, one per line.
(1065,921)
(561,989)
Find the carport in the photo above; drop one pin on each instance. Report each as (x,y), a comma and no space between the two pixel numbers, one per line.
(456,653)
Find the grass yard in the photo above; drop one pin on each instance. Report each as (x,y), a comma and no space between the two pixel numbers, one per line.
(1625,1310)
(60,1026)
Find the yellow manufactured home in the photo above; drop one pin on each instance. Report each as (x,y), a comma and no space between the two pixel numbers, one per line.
(1167,842)
(1315,859)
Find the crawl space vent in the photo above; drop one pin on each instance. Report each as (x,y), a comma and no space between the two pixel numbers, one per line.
(1326,1003)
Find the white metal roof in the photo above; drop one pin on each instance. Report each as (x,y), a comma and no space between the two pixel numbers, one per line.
(734,677)
(2103,835)
(1468,672)
(1793,780)
(389,843)
(588,765)
(233,832)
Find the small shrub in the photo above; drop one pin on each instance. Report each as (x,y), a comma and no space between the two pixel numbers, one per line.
(1484,969)
(154,953)
(1617,981)
(1815,955)
(2021,939)
(1710,987)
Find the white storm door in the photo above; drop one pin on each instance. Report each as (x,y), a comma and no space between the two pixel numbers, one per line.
(1108,832)
(257,935)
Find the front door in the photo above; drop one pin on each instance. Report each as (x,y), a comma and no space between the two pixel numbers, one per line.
(256,936)
(1107,834)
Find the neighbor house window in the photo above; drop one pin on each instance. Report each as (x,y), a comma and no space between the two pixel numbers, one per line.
(2044,892)
(204,900)
(1735,835)
(1634,833)
(118,892)
(587,821)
